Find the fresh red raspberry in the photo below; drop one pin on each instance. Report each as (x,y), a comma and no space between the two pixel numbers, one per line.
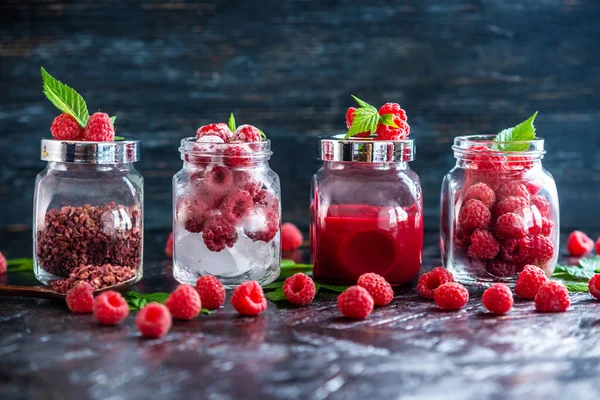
(110,308)
(579,244)
(3,264)
(385,132)
(153,320)
(80,298)
(501,268)
(485,159)
(541,249)
(393,108)
(355,302)
(514,250)
(512,189)
(481,192)
(266,199)
(594,286)
(291,237)
(236,205)
(236,156)
(218,179)
(497,298)
(462,240)
(597,252)
(267,230)
(184,302)
(99,128)
(192,213)
(299,289)
(65,127)
(510,226)
(350,120)
(245,181)
(379,289)
(483,245)
(542,204)
(211,291)
(430,281)
(474,215)
(451,296)
(220,130)
(247,134)
(512,205)
(249,299)
(529,282)
(169,246)
(543,227)
(553,296)
(219,233)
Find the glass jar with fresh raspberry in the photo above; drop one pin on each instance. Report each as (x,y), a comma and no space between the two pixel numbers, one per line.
(499,209)
(227,213)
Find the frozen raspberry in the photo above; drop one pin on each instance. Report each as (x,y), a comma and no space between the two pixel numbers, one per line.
(249,299)
(529,282)
(541,249)
(267,200)
(579,244)
(501,268)
(379,289)
(236,156)
(533,188)
(99,128)
(553,296)
(110,308)
(266,228)
(220,130)
(219,233)
(192,213)
(299,289)
(512,189)
(355,302)
(236,205)
(514,250)
(385,132)
(184,302)
(474,215)
(65,127)
(245,181)
(594,286)
(291,237)
(512,205)
(350,120)
(542,204)
(483,245)
(542,226)
(3,264)
(80,298)
(481,192)
(430,281)
(211,291)
(247,134)
(497,298)
(153,320)
(169,246)
(510,226)
(451,296)
(393,108)
(218,179)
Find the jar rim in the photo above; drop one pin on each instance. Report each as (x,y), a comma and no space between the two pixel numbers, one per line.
(367,150)
(83,152)
(252,150)
(528,147)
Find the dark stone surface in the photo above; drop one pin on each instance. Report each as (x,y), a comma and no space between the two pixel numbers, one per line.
(406,350)
(166,67)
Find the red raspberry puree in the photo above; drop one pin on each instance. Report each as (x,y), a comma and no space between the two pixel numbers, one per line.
(354,239)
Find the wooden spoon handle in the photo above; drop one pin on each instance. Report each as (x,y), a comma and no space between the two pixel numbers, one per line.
(42,292)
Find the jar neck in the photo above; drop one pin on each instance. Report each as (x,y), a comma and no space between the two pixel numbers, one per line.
(484,152)
(82,167)
(349,165)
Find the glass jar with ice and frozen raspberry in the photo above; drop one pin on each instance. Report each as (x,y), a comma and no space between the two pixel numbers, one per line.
(499,210)
(227,212)
(366,202)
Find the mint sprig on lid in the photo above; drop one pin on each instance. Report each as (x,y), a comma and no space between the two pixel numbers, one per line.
(366,119)
(523,132)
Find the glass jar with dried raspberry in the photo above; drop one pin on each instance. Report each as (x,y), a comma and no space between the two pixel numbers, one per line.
(499,209)
(88,206)
(227,213)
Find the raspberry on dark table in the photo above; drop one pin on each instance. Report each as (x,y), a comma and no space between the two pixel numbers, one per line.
(355,302)
(379,289)
(299,289)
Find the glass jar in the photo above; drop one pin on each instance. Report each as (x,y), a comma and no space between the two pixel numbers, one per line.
(366,212)
(87,215)
(227,213)
(499,211)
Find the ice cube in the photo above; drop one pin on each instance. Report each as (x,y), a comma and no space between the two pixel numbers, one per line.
(193,255)
(250,255)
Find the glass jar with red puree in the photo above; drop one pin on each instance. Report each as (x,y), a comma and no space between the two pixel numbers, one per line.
(366,211)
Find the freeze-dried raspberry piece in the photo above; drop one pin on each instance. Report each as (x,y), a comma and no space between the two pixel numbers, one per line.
(66,127)
(80,298)
(510,226)
(99,128)
(481,192)
(393,108)
(219,233)
(267,199)
(483,245)
(379,289)
(579,244)
(355,302)
(153,320)
(542,204)
(430,281)
(541,249)
(299,289)
(350,120)
(512,205)
(501,268)
(211,291)
(497,298)
(184,302)
(110,308)
(512,189)
(514,250)
(236,205)
(220,130)
(247,134)
(249,299)
(529,282)
(552,297)
(594,286)
(244,180)
(451,296)
(474,215)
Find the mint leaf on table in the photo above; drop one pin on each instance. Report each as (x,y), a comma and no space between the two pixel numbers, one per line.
(137,301)
(19,265)
(231,123)
(65,98)
(276,295)
(577,287)
(522,132)
(576,277)
(332,288)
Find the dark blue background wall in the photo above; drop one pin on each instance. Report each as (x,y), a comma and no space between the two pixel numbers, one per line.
(167,67)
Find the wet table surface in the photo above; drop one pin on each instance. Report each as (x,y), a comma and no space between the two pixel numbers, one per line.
(406,350)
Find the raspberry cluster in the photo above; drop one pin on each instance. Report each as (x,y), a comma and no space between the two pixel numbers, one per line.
(385,132)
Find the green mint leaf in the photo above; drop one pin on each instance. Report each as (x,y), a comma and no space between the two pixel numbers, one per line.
(262,133)
(19,261)
(205,311)
(273,286)
(276,295)
(65,98)
(231,123)
(363,103)
(524,131)
(287,262)
(590,264)
(20,265)
(113,119)
(365,120)
(578,287)
(118,138)
(137,300)
(388,119)
(333,288)
(582,272)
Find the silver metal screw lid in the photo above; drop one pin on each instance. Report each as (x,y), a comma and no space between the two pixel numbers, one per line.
(71,151)
(335,148)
